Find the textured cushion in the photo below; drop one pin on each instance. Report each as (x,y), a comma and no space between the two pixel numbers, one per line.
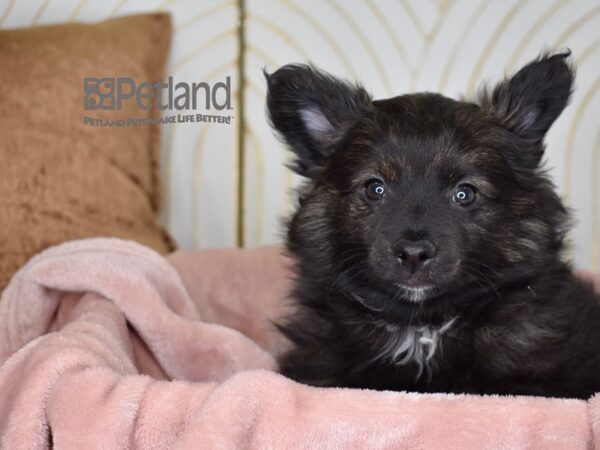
(61,179)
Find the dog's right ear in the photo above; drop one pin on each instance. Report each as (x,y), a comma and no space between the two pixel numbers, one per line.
(312,109)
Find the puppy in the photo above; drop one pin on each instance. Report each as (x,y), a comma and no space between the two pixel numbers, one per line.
(428,241)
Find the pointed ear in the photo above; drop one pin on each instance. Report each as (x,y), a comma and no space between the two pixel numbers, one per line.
(530,101)
(311,109)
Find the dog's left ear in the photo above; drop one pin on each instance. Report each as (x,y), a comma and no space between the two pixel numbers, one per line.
(311,109)
(530,101)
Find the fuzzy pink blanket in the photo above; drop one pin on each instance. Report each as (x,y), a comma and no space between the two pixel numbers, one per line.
(105,344)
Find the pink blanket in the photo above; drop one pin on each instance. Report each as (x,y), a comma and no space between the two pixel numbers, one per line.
(105,344)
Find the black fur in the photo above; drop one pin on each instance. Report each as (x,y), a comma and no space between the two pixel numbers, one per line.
(503,312)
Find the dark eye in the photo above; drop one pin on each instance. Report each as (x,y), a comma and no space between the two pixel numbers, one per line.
(375,190)
(465,195)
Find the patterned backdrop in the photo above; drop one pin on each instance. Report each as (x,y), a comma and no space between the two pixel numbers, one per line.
(226,185)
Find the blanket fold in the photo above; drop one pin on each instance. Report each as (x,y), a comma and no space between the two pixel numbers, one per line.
(106,344)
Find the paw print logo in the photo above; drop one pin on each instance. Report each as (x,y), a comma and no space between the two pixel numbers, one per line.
(99,93)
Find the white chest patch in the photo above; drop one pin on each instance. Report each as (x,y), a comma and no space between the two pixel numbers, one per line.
(414,344)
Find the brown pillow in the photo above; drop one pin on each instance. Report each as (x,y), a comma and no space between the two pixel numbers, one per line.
(61,179)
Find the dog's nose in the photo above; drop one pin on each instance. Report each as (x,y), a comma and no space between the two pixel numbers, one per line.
(414,254)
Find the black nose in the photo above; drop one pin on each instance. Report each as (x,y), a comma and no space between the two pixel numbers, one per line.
(414,254)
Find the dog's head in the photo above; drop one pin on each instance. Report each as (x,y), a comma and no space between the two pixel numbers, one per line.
(421,194)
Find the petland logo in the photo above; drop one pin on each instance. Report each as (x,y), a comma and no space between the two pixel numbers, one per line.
(112,93)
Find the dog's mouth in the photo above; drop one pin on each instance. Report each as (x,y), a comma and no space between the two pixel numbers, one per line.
(415,293)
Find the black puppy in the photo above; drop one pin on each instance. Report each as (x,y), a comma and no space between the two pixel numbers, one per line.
(428,240)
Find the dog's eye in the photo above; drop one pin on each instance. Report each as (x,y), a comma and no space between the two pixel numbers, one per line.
(464,195)
(375,190)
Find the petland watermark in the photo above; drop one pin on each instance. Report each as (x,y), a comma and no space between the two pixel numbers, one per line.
(113,93)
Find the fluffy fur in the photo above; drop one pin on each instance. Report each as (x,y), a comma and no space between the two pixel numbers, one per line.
(428,239)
